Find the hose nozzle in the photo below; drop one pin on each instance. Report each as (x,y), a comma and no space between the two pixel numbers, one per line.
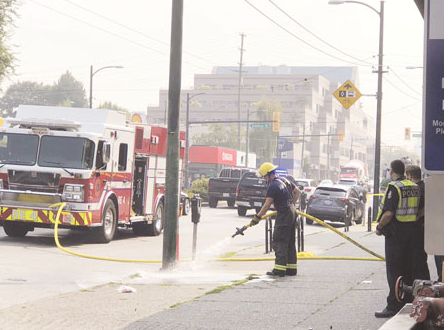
(240,231)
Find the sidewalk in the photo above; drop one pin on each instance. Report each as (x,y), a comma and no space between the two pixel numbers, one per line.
(209,295)
(325,295)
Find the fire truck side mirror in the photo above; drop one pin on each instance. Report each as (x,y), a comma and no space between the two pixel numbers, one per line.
(106,153)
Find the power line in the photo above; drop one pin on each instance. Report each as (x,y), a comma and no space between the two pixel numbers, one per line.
(400,90)
(404,82)
(313,34)
(300,39)
(131,29)
(109,32)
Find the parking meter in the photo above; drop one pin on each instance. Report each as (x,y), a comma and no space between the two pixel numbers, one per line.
(195,208)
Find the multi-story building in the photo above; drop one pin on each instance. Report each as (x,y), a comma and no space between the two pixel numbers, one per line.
(317,134)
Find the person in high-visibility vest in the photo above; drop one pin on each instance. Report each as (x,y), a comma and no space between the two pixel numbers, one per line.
(283,194)
(397,221)
(420,268)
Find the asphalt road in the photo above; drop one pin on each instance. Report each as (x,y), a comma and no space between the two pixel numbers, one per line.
(33,267)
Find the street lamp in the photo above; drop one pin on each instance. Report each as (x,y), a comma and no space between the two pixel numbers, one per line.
(92,73)
(379,95)
(187,135)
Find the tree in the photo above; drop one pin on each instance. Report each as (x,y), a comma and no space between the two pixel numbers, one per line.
(112,106)
(7,14)
(69,91)
(220,135)
(263,141)
(26,92)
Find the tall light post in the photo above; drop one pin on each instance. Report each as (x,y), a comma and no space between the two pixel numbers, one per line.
(379,96)
(92,73)
(187,136)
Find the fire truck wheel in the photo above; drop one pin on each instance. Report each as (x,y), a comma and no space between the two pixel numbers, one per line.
(106,232)
(15,229)
(154,229)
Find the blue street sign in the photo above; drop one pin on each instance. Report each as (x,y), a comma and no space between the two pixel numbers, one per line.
(433,118)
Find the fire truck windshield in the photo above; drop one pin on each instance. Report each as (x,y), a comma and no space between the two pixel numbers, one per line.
(66,152)
(18,149)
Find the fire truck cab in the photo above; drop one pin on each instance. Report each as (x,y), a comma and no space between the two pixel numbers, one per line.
(108,171)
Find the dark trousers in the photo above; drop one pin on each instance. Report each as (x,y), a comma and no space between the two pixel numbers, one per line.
(420,269)
(399,246)
(284,242)
(439,265)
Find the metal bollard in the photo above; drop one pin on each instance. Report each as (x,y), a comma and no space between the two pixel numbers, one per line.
(196,206)
(268,235)
(369,219)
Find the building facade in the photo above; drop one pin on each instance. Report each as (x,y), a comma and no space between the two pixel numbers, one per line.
(317,135)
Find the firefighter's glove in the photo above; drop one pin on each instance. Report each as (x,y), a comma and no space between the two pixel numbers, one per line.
(379,231)
(255,220)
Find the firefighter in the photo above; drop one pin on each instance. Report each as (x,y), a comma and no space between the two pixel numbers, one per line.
(283,194)
(397,222)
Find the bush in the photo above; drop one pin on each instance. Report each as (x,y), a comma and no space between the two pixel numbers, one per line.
(199,186)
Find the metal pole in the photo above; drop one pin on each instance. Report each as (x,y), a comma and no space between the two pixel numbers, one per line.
(170,234)
(247,137)
(239,90)
(328,155)
(195,239)
(187,142)
(302,161)
(91,86)
(379,97)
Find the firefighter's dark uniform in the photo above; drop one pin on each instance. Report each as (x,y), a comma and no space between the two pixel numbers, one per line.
(280,190)
(420,269)
(401,198)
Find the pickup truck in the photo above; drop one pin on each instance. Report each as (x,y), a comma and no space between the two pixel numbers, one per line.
(223,188)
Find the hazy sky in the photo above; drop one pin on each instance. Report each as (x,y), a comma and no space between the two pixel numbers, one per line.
(52,36)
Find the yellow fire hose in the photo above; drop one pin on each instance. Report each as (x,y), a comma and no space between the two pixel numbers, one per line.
(300,256)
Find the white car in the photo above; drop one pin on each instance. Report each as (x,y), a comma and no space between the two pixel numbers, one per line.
(309,186)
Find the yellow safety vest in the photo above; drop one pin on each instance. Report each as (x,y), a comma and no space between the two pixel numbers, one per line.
(408,200)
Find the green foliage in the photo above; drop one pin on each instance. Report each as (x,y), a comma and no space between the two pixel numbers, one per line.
(112,106)
(199,186)
(7,15)
(220,135)
(262,141)
(67,91)
(26,92)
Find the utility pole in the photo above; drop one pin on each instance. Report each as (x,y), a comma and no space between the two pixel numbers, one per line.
(328,155)
(240,71)
(302,161)
(187,142)
(247,137)
(170,234)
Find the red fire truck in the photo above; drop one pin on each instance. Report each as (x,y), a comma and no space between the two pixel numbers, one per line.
(110,172)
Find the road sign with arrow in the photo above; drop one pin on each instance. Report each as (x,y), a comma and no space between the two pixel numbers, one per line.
(347,94)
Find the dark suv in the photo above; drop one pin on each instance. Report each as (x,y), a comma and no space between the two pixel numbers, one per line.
(337,203)
(250,193)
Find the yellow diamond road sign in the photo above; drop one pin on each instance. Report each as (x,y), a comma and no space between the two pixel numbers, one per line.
(347,94)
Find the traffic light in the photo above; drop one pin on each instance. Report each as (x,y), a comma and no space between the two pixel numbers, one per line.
(276,121)
(407,133)
(341,135)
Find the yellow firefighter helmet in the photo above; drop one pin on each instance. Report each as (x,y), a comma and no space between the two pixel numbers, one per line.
(266,168)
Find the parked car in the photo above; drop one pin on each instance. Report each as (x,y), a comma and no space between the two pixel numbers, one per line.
(250,193)
(223,188)
(338,203)
(309,186)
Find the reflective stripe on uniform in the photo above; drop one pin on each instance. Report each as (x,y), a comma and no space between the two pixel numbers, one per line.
(280,267)
(291,266)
